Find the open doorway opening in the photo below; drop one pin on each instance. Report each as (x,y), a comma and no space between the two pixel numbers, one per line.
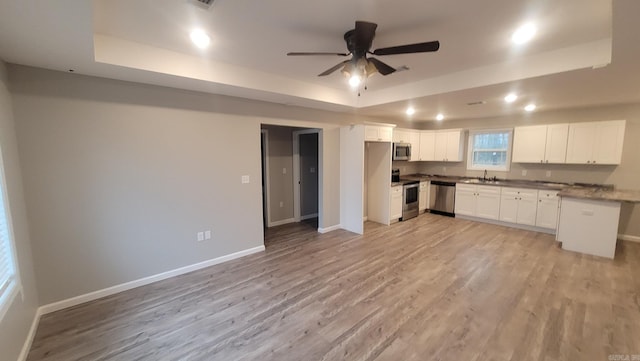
(291,171)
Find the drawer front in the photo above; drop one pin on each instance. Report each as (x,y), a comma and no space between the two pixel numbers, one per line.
(489,190)
(465,187)
(545,194)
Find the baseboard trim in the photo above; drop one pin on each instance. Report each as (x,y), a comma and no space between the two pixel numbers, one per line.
(630,238)
(56,306)
(329,229)
(284,221)
(365,218)
(26,347)
(309,216)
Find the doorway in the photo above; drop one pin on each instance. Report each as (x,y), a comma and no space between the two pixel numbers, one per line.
(305,172)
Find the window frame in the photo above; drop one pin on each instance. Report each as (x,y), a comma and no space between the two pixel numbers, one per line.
(507,165)
(14,287)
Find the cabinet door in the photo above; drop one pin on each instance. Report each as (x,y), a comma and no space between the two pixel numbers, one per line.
(556,143)
(529,144)
(395,208)
(400,136)
(488,202)
(427,146)
(454,149)
(440,152)
(423,196)
(547,214)
(385,134)
(465,200)
(508,205)
(371,133)
(527,207)
(414,139)
(609,140)
(582,138)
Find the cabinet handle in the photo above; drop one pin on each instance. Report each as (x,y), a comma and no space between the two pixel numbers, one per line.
(594,162)
(541,161)
(588,162)
(546,161)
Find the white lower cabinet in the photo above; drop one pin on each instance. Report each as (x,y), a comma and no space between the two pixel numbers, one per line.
(477,201)
(519,205)
(395,208)
(423,196)
(547,214)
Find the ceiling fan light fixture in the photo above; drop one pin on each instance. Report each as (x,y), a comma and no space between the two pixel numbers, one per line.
(524,34)
(200,38)
(355,80)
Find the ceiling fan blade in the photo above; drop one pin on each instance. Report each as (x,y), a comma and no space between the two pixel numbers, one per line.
(294,53)
(364,33)
(331,70)
(410,48)
(383,68)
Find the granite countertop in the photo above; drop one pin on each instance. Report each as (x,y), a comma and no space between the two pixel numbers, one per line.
(601,194)
(515,183)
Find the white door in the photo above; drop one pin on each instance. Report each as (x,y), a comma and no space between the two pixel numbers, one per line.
(556,143)
(582,137)
(609,140)
(529,144)
(427,146)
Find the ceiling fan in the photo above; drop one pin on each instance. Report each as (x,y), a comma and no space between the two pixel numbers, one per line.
(359,42)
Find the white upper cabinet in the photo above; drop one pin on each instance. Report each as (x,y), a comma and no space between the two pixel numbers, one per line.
(409,136)
(596,142)
(448,146)
(540,144)
(400,136)
(376,133)
(427,145)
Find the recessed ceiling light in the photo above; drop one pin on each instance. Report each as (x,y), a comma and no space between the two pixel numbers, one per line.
(530,107)
(410,111)
(524,33)
(354,81)
(510,98)
(200,38)
(439,117)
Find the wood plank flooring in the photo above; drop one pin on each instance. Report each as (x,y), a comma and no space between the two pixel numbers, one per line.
(431,288)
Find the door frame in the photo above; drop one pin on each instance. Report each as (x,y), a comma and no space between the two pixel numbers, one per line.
(266,194)
(296,170)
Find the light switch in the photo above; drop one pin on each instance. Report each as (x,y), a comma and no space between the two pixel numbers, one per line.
(245,179)
(284,170)
(207,234)
(200,236)
(548,173)
(312,170)
(524,172)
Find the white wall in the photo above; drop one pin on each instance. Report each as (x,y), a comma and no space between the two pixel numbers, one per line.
(16,323)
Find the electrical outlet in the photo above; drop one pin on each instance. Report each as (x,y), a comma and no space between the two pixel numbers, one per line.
(524,172)
(200,236)
(245,179)
(548,173)
(281,204)
(444,169)
(207,234)
(284,170)
(312,170)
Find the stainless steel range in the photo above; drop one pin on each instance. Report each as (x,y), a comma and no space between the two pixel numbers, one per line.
(410,199)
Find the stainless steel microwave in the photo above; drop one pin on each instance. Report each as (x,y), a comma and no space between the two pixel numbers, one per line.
(401,151)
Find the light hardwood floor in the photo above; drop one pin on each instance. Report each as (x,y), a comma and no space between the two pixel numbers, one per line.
(431,288)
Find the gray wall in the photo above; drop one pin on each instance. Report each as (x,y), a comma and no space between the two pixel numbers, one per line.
(119,177)
(15,325)
(624,176)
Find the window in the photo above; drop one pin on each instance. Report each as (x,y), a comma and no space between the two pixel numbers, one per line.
(490,149)
(8,275)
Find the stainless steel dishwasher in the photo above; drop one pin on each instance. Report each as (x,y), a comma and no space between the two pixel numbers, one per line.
(442,198)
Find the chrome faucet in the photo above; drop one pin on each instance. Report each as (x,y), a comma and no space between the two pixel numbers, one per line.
(484,177)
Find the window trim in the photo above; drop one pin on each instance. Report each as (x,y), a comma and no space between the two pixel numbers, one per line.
(15,285)
(472,133)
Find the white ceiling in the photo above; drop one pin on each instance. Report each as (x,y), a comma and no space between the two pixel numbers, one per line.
(148,41)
